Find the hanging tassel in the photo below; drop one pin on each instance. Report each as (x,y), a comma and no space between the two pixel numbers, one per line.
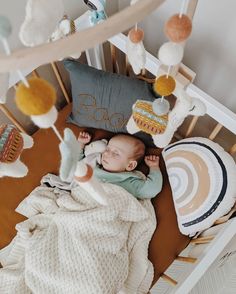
(135,50)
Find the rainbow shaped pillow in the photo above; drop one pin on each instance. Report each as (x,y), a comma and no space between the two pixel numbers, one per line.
(203,182)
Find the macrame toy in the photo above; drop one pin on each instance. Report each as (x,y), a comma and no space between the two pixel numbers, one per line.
(135,51)
(162,128)
(12,143)
(41,20)
(82,171)
(97,8)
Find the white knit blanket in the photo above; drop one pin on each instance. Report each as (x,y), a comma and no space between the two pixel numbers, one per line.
(70,244)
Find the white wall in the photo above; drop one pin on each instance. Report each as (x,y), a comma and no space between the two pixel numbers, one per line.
(210,50)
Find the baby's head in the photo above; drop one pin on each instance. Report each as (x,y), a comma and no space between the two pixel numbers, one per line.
(123,153)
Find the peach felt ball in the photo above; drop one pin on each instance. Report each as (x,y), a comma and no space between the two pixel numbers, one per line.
(37,99)
(136,35)
(164,85)
(178,28)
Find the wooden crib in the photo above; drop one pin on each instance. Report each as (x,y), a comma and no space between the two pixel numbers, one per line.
(44,158)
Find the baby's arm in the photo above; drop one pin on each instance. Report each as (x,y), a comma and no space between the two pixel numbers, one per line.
(150,187)
(83,138)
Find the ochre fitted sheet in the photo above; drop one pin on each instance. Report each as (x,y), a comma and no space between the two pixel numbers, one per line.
(43,158)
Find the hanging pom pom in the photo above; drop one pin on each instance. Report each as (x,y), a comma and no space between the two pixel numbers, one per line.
(171,53)
(160,106)
(5,27)
(37,99)
(178,28)
(46,120)
(136,52)
(164,85)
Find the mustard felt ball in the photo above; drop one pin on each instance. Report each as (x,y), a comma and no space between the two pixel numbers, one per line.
(136,36)
(177,28)
(37,99)
(164,85)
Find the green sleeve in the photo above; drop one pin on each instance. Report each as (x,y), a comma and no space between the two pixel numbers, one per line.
(149,188)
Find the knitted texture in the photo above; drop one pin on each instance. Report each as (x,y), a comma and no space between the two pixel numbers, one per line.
(70,244)
(164,85)
(11,143)
(148,121)
(37,99)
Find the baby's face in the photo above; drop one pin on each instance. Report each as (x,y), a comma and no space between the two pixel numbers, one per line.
(117,156)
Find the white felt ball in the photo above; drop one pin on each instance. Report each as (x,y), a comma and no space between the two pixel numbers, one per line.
(45,120)
(171,53)
(160,107)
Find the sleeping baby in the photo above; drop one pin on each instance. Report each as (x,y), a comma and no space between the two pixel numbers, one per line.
(118,163)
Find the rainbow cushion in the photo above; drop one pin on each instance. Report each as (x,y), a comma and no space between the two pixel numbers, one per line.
(11,143)
(148,121)
(203,182)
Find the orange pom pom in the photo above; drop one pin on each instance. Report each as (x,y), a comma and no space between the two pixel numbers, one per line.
(136,36)
(177,28)
(164,85)
(37,99)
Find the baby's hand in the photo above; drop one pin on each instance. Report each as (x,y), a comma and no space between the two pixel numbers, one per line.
(84,137)
(152,161)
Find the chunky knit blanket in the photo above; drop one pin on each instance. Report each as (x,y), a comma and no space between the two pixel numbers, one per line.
(71,244)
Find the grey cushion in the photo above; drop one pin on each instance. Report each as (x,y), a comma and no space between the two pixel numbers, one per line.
(104,100)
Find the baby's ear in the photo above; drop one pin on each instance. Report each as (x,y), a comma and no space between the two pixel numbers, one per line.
(131,165)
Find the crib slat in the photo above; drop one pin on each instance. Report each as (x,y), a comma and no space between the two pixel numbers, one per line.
(12,118)
(59,79)
(169,280)
(232,149)
(113,57)
(202,240)
(191,125)
(186,259)
(35,74)
(127,66)
(215,131)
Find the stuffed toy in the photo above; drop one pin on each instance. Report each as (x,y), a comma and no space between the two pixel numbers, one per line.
(93,152)
(162,128)
(65,28)
(82,170)
(4,82)
(97,8)
(41,20)
(12,143)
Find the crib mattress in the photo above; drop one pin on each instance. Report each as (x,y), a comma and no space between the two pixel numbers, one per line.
(44,157)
